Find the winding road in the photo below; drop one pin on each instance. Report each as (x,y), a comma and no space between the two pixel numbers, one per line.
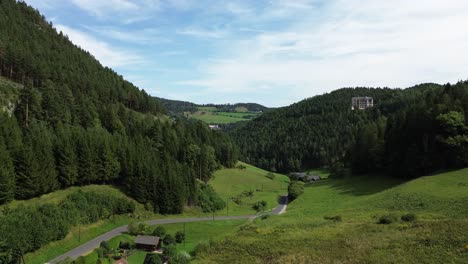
(92,244)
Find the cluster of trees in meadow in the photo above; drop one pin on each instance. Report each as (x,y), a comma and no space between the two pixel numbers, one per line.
(25,229)
(76,122)
(410,132)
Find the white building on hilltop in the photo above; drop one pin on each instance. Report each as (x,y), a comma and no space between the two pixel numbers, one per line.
(361,103)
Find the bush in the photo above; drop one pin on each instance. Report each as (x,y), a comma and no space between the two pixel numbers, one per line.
(105,246)
(387,219)
(410,217)
(241,167)
(169,240)
(179,237)
(99,252)
(159,231)
(169,252)
(149,207)
(152,259)
(336,218)
(124,245)
(201,247)
(208,199)
(266,216)
(270,175)
(259,206)
(295,189)
(137,229)
(181,258)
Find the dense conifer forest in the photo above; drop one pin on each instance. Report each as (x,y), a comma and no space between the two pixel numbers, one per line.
(408,133)
(76,122)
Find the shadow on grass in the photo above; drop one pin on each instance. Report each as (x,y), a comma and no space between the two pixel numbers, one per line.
(359,185)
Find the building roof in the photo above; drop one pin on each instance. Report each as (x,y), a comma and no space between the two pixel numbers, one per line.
(147,240)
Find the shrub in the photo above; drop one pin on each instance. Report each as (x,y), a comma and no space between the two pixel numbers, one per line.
(410,217)
(266,216)
(259,206)
(336,218)
(201,247)
(169,252)
(149,207)
(159,231)
(179,237)
(387,219)
(181,258)
(152,259)
(270,175)
(208,199)
(168,240)
(124,245)
(105,246)
(138,229)
(295,189)
(99,252)
(241,167)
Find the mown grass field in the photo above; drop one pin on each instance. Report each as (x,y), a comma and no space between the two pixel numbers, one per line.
(229,183)
(302,235)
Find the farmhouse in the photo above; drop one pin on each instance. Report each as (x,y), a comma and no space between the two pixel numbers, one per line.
(303,176)
(149,243)
(214,127)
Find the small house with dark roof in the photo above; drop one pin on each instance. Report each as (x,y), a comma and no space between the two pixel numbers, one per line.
(305,177)
(148,243)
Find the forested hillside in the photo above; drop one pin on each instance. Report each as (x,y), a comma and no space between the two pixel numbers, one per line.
(409,132)
(75,122)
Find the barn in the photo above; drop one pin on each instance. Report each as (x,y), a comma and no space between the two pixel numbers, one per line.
(148,243)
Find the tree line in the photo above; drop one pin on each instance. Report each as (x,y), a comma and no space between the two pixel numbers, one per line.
(25,229)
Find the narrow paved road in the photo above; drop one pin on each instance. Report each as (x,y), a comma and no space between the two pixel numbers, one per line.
(92,244)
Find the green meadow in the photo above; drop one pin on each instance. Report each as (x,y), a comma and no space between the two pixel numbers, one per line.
(232,183)
(211,115)
(337,221)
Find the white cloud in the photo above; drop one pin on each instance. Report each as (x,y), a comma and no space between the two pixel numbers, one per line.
(203,33)
(140,36)
(108,55)
(130,11)
(352,43)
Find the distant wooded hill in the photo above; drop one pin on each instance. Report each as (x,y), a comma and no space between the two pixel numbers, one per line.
(409,132)
(214,113)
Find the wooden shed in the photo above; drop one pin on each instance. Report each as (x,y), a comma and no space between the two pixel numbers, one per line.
(148,243)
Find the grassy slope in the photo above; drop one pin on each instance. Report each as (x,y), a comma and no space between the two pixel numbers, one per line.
(211,116)
(254,176)
(232,182)
(303,236)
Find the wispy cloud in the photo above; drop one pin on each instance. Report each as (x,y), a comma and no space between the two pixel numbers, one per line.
(129,11)
(356,43)
(140,36)
(203,33)
(108,55)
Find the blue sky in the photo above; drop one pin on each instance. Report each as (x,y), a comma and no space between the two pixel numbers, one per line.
(271,52)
